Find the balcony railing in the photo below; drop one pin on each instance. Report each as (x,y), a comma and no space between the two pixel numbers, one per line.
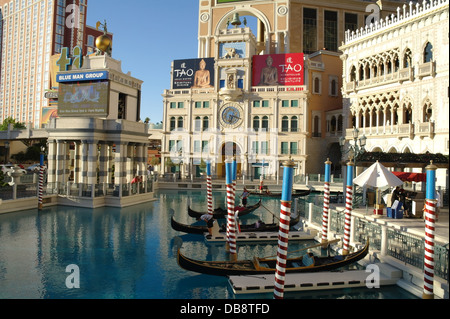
(409,130)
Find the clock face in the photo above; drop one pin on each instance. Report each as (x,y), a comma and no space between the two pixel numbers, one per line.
(231,115)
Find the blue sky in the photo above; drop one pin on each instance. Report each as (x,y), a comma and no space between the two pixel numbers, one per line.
(148,36)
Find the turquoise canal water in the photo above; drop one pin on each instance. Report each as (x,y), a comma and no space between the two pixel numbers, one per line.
(129,253)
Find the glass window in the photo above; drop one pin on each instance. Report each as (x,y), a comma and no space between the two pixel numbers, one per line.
(351,21)
(428,53)
(294,103)
(309,30)
(285,124)
(198,105)
(331,30)
(265,123)
(265,103)
(294,124)
(285,103)
(284,148)
(265,148)
(256,123)
(256,103)
(205,123)
(294,148)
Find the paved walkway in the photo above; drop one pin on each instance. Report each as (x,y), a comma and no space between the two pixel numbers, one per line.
(415,226)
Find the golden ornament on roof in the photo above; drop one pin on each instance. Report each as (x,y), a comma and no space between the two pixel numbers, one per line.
(103,42)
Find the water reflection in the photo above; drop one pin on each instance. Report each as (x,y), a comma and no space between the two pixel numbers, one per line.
(122,253)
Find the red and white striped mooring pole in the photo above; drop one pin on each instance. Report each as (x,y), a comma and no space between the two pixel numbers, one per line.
(283,236)
(430,226)
(348,208)
(231,221)
(326,202)
(209,188)
(41,181)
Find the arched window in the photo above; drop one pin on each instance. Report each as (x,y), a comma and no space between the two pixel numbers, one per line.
(316,128)
(396,64)
(285,124)
(205,123)
(334,87)
(197,124)
(180,122)
(428,53)
(407,114)
(256,123)
(353,74)
(381,68)
(361,73)
(395,120)
(407,59)
(173,124)
(294,124)
(265,123)
(317,85)
(389,67)
(427,111)
(333,124)
(367,72)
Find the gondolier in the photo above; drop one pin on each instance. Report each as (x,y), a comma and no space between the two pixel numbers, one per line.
(209,219)
(244,197)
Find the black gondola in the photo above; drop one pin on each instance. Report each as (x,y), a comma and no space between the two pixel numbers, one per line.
(220,213)
(278,194)
(194,229)
(257,266)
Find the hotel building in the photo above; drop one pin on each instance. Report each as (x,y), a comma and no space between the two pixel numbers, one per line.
(31,31)
(262,123)
(396,83)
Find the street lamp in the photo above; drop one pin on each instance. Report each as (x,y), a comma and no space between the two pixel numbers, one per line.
(358,146)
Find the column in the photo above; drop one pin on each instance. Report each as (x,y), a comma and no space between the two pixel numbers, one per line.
(51,169)
(120,173)
(76,163)
(103,167)
(83,167)
(92,166)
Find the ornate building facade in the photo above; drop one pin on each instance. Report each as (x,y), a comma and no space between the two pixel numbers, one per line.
(242,107)
(396,81)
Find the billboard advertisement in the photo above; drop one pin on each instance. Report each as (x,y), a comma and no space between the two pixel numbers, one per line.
(82,76)
(193,73)
(83,99)
(278,69)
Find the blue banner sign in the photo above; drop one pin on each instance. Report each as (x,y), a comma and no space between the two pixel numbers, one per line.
(82,76)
